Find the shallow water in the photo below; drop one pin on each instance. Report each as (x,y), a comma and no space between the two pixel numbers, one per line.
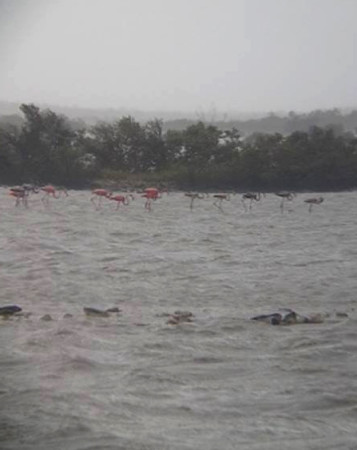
(132,381)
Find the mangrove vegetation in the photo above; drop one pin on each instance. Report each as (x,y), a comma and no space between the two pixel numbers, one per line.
(45,147)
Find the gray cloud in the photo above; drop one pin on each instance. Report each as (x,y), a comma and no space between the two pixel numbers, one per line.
(247,55)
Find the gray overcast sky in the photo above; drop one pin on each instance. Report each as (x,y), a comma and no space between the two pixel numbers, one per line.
(242,55)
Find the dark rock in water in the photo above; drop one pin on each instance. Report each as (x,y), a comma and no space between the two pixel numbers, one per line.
(180,317)
(341,314)
(276,318)
(287,317)
(183,314)
(9,310)
(100,312)
(113,310)
(46,318)
(94,312)
(67,316)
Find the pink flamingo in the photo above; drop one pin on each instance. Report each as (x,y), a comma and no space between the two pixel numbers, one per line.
(150,194)
(100,194)
(120,199)
(20,194)
(154,193)
(49,190)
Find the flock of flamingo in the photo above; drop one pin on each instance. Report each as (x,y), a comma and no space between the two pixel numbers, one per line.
(252,197)
(22,193)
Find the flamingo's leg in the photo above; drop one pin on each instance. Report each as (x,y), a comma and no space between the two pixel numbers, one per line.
(282,205)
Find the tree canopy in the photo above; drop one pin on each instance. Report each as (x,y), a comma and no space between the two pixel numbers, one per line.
(48,148)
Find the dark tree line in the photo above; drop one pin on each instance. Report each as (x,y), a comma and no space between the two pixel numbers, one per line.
(49,148)
(284,124)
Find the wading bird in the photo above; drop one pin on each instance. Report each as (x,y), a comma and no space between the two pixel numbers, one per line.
(285,195)
(313,201)
(252,197)
(120,199)
(21,193)
(49,191)
(219,199)
(154,193)
(149,197)
(31,188)
(151,194)
(193,196)
(99,194)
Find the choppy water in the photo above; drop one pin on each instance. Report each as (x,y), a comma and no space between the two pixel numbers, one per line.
(132,381)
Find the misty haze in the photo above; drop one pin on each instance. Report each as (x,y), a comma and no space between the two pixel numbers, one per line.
(178,246)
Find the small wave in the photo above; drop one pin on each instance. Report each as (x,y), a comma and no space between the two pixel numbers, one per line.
(79,363)
(208,360)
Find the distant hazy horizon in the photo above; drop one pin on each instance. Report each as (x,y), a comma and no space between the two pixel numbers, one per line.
(79,112)
(197,57)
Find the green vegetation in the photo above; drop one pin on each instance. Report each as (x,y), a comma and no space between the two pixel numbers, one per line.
(48,148)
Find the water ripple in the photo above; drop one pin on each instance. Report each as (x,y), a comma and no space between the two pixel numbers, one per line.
(133,381)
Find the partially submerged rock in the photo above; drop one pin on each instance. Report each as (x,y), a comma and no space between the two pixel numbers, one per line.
(67,316)
(180,317)
(94,312)
(341,314)
(10,310)
(113,310)
(287,317)
(46,318)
